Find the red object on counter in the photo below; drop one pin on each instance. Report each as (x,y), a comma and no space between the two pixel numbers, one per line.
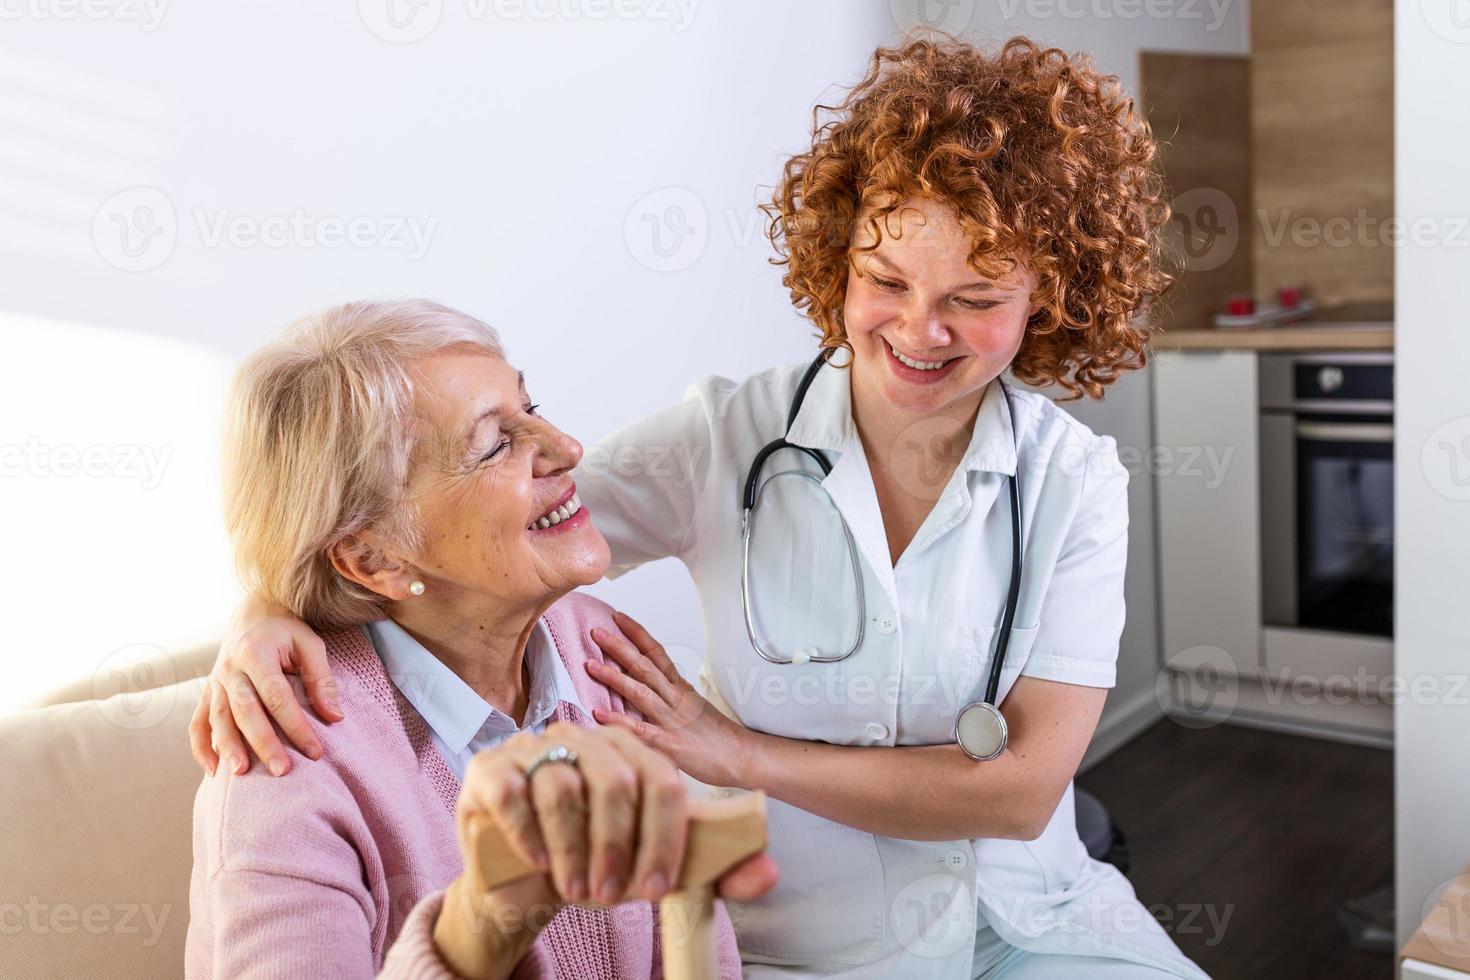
(1289,296)
(1241,304)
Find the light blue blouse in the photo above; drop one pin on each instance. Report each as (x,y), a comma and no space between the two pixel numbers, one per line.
(461,722)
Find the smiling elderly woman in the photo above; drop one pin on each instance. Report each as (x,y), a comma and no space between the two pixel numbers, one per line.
(390,482)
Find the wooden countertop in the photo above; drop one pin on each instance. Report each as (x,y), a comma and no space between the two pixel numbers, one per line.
(1322,337)
(1349,326)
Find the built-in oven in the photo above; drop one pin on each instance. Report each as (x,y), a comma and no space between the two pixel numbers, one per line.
(1327,491)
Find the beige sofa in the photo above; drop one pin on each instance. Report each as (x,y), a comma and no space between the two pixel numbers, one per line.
(95,854)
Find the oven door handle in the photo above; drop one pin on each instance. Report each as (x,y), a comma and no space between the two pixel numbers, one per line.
(1346,431)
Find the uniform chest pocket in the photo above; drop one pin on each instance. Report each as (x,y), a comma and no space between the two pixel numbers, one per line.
(828,907)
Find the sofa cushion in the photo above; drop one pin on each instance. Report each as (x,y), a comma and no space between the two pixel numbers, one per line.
(159,670)
(96,855)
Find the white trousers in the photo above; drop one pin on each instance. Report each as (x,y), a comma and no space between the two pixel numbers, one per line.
(996,960)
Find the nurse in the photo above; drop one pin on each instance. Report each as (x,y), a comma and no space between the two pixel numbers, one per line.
(962,213)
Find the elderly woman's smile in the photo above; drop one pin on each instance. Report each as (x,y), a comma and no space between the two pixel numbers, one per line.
(562,513)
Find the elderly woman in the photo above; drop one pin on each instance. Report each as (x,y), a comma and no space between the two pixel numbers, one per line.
(390,482)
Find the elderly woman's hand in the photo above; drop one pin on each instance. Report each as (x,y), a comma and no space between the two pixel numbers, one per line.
(679,722)
(609,828)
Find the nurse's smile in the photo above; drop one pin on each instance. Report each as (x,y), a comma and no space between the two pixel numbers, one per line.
(928,330)
(911,368)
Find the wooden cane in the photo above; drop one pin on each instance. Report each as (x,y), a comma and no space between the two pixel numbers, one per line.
(722,833)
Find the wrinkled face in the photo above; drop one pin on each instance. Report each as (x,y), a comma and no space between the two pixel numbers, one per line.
(927,331)
(491,484)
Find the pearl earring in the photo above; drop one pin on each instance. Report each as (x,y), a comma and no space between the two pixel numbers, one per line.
(416,587)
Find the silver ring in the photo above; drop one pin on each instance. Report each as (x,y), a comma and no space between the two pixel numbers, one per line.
(557,753)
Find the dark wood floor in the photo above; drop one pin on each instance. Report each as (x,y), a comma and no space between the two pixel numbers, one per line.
(1273,830)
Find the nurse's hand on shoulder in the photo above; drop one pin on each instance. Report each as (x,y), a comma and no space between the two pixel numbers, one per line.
(677,720)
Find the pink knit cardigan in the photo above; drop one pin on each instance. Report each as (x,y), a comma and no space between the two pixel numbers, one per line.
(337,869)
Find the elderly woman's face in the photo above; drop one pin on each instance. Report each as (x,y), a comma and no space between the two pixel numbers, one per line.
(926,329)
(492,487)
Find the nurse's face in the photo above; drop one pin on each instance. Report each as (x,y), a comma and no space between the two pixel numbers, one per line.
(927,331)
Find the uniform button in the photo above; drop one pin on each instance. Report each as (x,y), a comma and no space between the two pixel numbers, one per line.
(957,860)
(887,624)
(876,731)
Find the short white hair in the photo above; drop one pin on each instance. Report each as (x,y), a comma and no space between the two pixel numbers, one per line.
(318,444)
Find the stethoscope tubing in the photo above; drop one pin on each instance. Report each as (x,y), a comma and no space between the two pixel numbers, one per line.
(749,501)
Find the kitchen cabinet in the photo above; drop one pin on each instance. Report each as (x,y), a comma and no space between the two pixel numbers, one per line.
(1220,662)
(1206,472)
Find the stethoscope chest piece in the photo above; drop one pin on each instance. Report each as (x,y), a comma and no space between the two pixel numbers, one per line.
(981,731)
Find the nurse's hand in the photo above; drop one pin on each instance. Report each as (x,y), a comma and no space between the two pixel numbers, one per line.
(678,721)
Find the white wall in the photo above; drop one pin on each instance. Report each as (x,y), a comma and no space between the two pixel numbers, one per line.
(1113,32)
(1432,459)
(524,149)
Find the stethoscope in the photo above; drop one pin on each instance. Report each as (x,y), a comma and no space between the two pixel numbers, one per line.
(980,729)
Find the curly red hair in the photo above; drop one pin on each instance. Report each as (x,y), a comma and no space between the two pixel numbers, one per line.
(1043,160)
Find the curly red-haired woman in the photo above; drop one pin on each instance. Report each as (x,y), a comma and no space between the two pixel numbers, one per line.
(961,213)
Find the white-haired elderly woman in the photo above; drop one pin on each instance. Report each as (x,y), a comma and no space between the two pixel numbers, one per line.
(389,480)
